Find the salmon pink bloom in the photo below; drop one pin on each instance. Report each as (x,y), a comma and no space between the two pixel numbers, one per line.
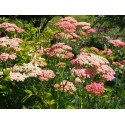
(96,88)
(4,56)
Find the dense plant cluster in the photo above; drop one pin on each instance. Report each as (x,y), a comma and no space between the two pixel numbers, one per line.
(72,72)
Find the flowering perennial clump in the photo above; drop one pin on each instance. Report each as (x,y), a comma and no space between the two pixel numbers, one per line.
(11,27)
(5,56)
(96,88)
(17,76)
(20,73)
(10,47)
(59,50)
(106,71)
(117,43)
(69,25)
(56,75)
(83,72)
(97,64)
(89,59)
(10,43)
(45,75)
(66,86)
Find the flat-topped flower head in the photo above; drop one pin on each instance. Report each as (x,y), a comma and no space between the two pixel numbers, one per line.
(66,86)
(95,88)
(117,43)
(89,59)
(98,64)
(59,50)
(10,27)
(82,72)
(45,75)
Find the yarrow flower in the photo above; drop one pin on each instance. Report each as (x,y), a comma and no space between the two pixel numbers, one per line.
(83,72)
(11,27)
(97,64)
(12,56)
(10,43)
(117,43)
(95,88)
(78,80)
(89,59)
(45,75)
(17,76)
(30,70)
(59,50)
(66,86)
(69,25)
(106,71)
(4,56)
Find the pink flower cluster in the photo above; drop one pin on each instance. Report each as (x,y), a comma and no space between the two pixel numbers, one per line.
(78,80)
(6,56)
(83,72)
(69,25)
(117,43)
(97,63)
(96,88)
(10,43)
(11,27)
(59,50)
(108,52)
(106,71)
(66,86)
(89,59)
(20,73)
(45,75)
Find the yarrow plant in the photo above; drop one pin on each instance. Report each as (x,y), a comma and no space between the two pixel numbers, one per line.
(117,43)
(59,50)
(9,27)
(66,86)
(95,88)
(20,73)
(96,63)
(69,26)
(64,67)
